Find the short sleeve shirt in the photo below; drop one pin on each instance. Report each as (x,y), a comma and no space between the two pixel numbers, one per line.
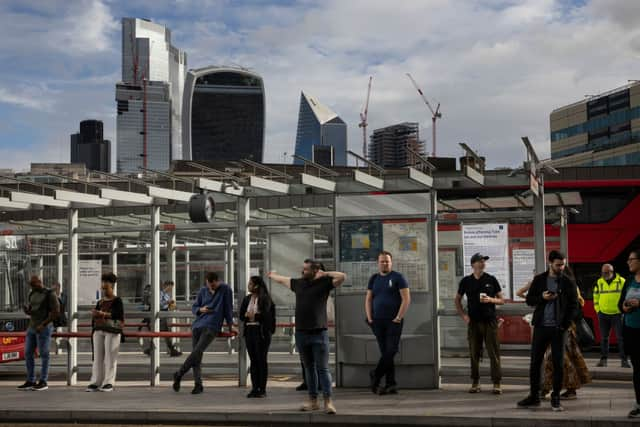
(311,303)
(472,288)
(386,294)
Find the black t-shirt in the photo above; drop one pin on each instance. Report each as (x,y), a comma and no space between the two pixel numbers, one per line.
(472,288)
(311,303)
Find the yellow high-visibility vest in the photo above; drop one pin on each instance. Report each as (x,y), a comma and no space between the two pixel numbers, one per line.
(606,295)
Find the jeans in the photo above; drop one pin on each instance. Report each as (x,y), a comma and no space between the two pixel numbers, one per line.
(544,336)
(632,338)
(608,321)
(314,349)
(479,333)
(201,338)
(258,342)
(41,341)
(387,334)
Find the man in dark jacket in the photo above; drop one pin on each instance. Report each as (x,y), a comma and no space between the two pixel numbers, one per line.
(555,298)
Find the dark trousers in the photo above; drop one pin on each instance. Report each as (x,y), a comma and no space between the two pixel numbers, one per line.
(479,333)
(608,322)
(388,335)
(201,338)
(164,327)
(258,342)
(632,338)
(543,337)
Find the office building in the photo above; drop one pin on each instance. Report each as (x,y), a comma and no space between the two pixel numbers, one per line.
(144,127)
(388,147)
(89,147)
(601,130)
(149,59)
(223,115)
(321,135)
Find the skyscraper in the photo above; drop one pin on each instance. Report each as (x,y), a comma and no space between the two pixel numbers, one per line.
(603,130)
(223,114)
(388,147)
(322,134)
(89,147)
(149,60)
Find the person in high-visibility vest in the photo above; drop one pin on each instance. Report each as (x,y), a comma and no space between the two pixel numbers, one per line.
(606,294)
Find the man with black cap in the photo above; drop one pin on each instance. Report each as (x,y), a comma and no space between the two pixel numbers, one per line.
(483,294)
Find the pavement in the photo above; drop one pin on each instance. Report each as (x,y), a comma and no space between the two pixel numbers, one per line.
(223,403)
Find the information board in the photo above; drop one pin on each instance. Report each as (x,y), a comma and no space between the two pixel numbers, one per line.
(491,240)
(89,275)
(524,265)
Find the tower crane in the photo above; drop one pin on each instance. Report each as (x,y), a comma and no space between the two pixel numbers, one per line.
(363,120)
(435,114)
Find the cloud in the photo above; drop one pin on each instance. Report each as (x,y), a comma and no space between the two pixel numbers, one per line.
(499,67)
(36,98)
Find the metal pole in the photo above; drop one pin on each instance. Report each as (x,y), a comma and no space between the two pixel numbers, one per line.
(564,233)
(242,278)
(227,262)
(113,260)
(232,258)
(171,261)
(72,301)
(187,274)
(41,268)
(539,229)
(155,294)
(434,280)
(60,264)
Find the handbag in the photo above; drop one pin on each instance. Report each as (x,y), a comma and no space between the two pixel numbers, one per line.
(584,334)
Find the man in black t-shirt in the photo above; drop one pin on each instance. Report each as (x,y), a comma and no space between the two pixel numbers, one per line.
(483,294)
(312,340)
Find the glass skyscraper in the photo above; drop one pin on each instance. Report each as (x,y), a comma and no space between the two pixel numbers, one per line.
(153,72)
(223,115)
(321,135)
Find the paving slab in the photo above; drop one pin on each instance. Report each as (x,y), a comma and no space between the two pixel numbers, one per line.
(223,403)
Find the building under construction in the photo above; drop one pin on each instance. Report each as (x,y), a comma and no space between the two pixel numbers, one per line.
(388,145)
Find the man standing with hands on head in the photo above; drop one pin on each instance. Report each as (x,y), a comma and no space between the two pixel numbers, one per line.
(386,304)
(483,294)
(312,340)
(554,295)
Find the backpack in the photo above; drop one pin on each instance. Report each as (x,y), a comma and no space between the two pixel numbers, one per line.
(61,320)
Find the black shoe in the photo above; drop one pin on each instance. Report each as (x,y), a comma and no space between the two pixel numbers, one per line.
(107,388)
(391,389)
(374,382)
(261,395)
(602,363)
(92,387)
(40,386)
(569,395)
(147,351)
(381,391)
(253,393)
(175,353)
(625,363)
(635,413)
(555,403)
(176,381)
(27,386)
(197,389)
(529,402)
(302,387)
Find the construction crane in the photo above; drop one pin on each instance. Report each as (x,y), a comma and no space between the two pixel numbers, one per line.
(363,120)
(435,114)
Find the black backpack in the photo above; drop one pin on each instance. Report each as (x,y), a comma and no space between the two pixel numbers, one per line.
(61,320)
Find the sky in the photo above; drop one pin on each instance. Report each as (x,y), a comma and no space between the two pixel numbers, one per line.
(497,67)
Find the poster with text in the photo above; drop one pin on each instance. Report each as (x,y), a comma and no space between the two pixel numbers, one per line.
(524,265)
(491,240)
(89,274)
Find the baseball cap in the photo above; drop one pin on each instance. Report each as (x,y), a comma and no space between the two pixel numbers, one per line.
(478,257)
